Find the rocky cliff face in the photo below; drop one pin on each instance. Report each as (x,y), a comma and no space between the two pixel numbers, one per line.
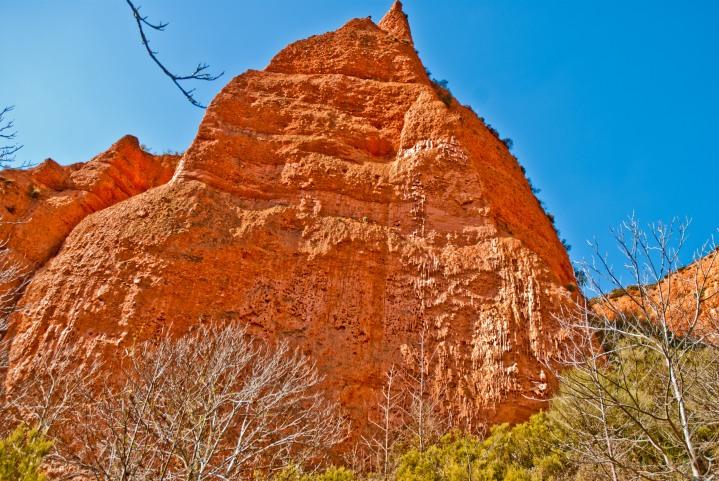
(686,299)
(340,200)
(40,206)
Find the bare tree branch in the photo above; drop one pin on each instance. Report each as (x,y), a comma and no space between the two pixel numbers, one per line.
(213,405)
(640,371)
(388,425)
(7,134)
(425,423)
(200,72)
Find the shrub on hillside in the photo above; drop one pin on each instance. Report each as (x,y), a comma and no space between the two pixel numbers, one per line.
(441,87)
(639,394)
(333,473)
(620,405)
(527,451)
(21,454)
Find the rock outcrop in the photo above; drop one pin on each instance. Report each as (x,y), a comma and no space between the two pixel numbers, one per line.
(340,200)
(40,206)
(687,299)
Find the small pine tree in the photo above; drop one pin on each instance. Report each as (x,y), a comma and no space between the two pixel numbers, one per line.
(21,454)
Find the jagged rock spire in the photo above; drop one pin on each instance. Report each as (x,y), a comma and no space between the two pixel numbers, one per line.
(396,24)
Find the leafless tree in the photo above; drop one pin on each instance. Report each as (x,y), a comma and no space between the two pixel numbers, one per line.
(200,72)
(12,275)
(213,405)
(387,426)
(407,412)
(639,394)
(424,421)
(13,279)
(51,395)
(8,148)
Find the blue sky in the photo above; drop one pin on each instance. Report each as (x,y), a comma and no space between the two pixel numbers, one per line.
(612,105)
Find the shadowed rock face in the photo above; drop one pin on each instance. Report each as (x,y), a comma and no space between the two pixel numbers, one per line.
(333,200)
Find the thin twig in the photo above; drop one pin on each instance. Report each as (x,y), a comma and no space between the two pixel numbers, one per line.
(199,73)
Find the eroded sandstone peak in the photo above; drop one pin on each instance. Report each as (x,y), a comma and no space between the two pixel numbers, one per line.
(41,205)
(358,49)
(338,201)
(396,23)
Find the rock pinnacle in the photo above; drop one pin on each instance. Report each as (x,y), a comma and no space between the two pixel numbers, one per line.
(396,24)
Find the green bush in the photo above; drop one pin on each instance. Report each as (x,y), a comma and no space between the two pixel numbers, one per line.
(21,454)
(33,192)
(442,89)
(634,386)
(526,452)
(333,473)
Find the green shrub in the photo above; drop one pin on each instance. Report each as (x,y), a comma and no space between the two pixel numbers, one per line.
(443,92)
(21,454)
(333,473)
(526,452)
(33,192)
(632,381)
(581,276)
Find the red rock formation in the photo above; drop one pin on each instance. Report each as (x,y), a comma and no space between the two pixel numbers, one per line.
(41,205)
(335,200)
(674,299)
(396,24)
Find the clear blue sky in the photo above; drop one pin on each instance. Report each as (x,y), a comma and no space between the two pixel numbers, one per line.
(613,105)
